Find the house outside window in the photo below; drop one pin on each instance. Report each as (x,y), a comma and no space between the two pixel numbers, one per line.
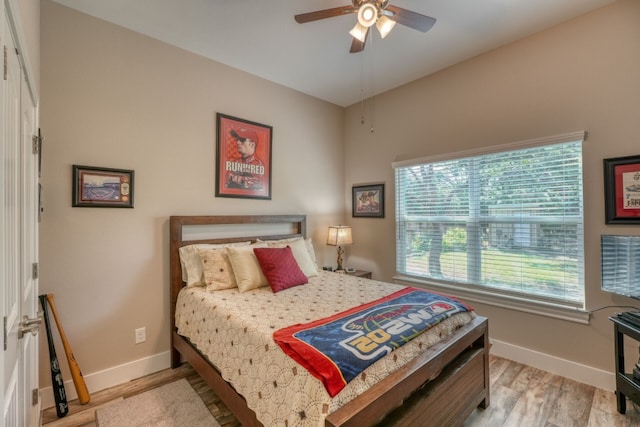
(506,221)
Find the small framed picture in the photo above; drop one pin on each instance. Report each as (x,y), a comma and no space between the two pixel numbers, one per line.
(96,187)
(622,190)
(368,201)
(243,164)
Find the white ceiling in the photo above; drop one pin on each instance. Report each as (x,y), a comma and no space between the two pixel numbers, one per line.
(262,38)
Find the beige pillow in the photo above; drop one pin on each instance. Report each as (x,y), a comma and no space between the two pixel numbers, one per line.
(191,263)
(312,252)
(300,250)
(216,268)
(246,268)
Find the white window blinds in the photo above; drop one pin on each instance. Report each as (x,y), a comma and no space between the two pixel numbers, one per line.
(510,221)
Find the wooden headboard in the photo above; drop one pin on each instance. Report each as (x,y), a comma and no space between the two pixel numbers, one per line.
(222,229)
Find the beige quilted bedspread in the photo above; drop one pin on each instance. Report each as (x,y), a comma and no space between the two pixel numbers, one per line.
(235,331)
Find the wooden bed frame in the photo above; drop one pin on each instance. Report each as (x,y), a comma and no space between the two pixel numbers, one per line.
(442,386)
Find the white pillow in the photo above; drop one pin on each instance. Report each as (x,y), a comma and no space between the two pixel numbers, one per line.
(191,263)
(300,249)
(246,268)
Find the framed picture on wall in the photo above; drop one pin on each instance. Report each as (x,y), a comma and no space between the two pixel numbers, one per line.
(622,190)
(96,187)
(368,201)
(243,163)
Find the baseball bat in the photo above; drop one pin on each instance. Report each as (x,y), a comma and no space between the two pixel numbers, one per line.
(76,374)
(59,393)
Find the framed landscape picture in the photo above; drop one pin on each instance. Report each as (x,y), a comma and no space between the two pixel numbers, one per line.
(97,187)
(368,201)
(243,164)
(622,190)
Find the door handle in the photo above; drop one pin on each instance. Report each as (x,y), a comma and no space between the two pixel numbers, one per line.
(29,325)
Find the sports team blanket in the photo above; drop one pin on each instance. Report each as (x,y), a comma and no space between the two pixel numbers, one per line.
(337,348)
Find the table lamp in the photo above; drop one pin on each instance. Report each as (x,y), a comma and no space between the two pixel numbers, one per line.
(339,235)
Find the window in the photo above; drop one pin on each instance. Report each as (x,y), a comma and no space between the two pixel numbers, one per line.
(508,220)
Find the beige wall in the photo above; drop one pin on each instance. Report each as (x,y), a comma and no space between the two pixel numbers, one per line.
(114,98)
(581,75)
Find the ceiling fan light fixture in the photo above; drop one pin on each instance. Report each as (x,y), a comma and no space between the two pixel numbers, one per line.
(359,32)
(367,14)
(385,25)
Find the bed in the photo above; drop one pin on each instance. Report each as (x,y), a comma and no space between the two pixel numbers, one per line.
(443,383)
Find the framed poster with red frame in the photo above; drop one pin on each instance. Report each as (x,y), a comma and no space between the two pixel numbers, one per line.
(622,190)
(243,163)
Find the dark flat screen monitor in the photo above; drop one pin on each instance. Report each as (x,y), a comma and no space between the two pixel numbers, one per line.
(620,265)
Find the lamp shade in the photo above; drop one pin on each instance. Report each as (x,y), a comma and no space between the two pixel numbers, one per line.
(339,235)
(385,25)
(359,32)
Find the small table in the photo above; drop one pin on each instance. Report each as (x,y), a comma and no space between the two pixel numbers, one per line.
(361,273)
(626,386)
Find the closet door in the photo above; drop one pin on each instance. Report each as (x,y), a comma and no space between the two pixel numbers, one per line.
(29,287)
(18,242)
(11,248)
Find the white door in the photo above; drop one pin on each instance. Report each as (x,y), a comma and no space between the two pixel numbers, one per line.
(30,320)
(18,247)
(11,232)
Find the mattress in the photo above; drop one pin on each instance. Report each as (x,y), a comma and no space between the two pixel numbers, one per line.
(234,331)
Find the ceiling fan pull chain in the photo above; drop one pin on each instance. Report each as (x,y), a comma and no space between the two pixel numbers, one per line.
(373,88)
(362,85)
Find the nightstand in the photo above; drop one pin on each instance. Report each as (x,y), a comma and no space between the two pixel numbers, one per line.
(361,273)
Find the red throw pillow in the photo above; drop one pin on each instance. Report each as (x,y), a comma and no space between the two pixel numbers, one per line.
(280,268)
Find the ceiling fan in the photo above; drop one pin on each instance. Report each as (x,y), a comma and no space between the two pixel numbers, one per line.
(371,12)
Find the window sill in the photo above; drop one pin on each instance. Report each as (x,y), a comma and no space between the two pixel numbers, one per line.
(548,309)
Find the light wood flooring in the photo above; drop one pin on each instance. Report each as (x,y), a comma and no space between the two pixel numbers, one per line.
(520,396)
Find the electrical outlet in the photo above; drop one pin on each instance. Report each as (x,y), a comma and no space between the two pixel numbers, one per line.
(141,335)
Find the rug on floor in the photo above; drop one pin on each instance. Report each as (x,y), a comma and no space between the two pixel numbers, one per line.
(172,405)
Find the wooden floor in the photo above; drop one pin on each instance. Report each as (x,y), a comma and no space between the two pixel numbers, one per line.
(84,415)
(520,396)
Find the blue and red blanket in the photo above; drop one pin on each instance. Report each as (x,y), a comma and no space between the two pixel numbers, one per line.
(337,348)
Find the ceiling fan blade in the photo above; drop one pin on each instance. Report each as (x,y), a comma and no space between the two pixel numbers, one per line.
(326,13)
(411,19)
(357,45)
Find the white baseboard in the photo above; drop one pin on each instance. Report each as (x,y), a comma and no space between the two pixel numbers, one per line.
(138,368)
(582,373)
(111,377)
